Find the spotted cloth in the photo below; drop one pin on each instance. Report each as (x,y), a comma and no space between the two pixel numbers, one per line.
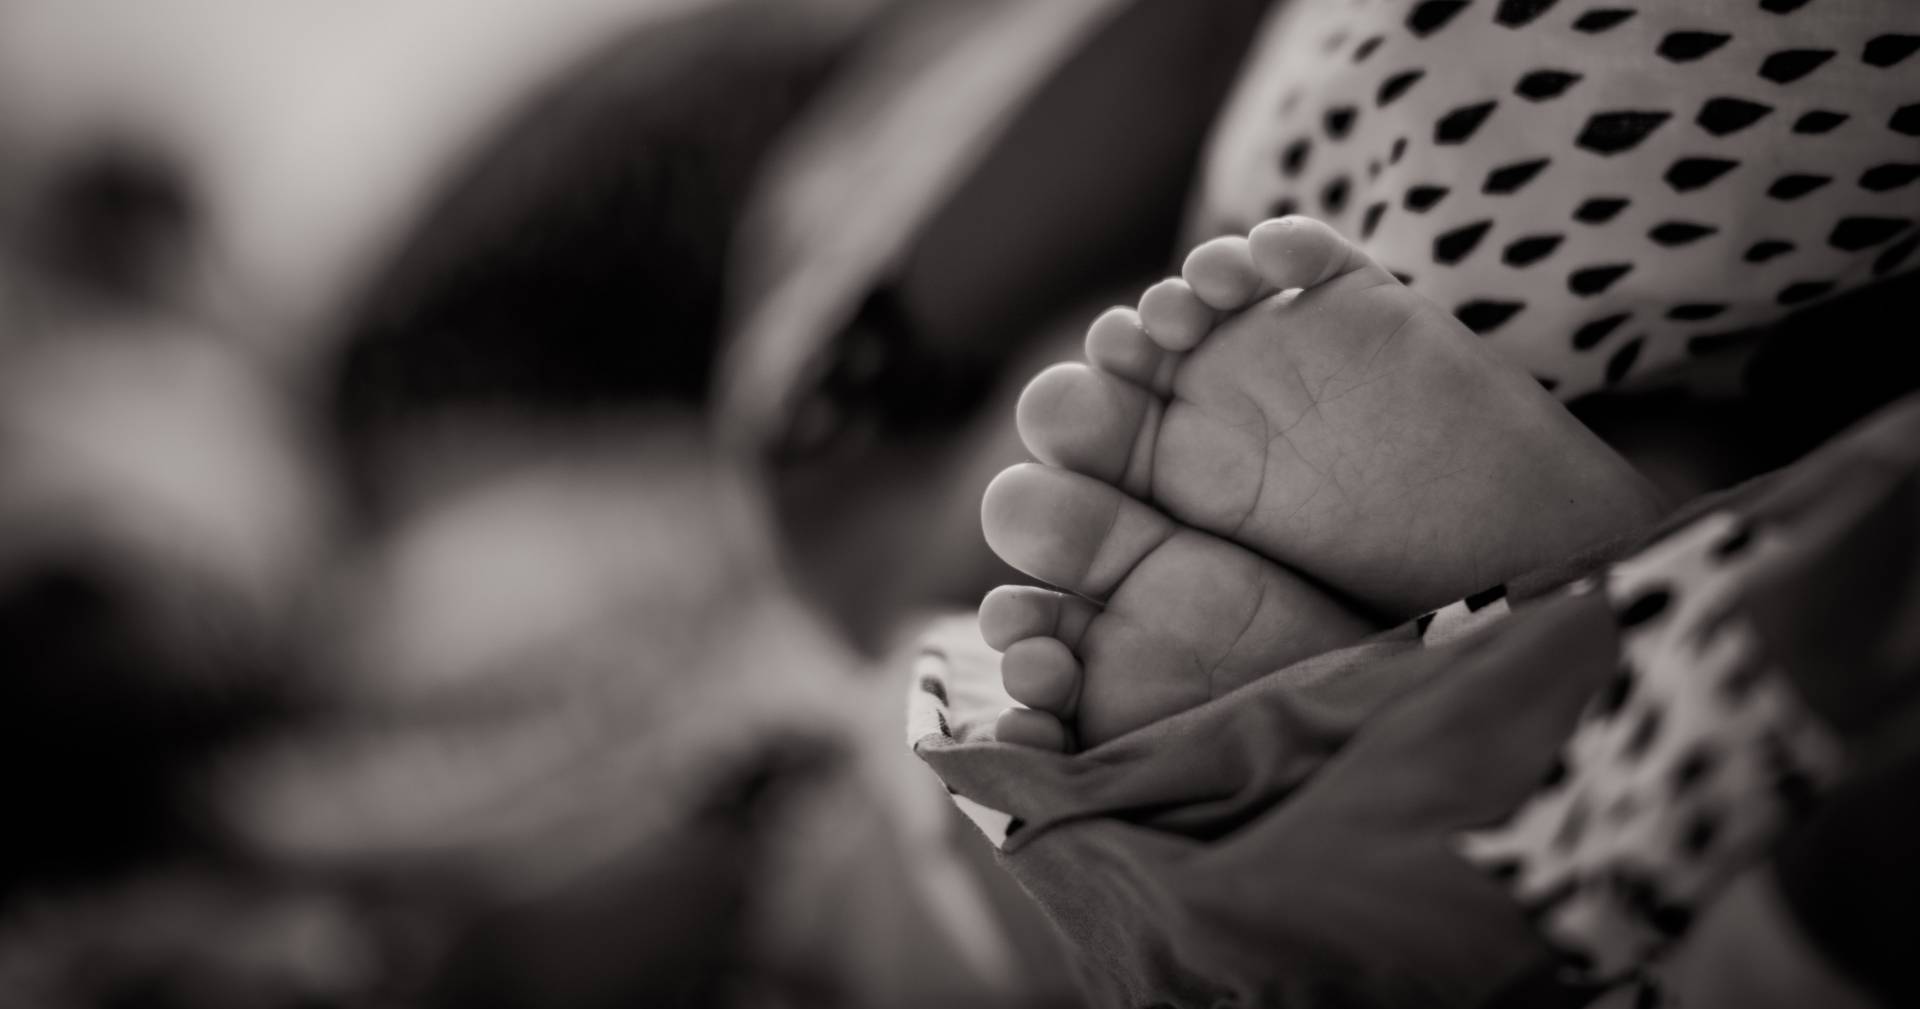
(1614,193)
(1394,823)
(1686,765)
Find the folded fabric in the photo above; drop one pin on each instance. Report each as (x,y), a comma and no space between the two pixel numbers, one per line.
(1530,813)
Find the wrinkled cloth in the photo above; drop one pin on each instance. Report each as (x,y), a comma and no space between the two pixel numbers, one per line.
(1345,831)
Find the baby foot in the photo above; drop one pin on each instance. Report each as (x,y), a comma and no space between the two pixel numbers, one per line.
(1352,433)
(1186,616)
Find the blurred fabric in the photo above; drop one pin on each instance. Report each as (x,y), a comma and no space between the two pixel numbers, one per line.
(381,620)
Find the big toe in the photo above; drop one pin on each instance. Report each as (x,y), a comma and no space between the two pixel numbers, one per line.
(1068,530)
(1300,252)
(1090,422)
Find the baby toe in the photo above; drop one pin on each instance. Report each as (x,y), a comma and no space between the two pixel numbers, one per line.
(1118,344)
(1014,613)
(1221,273)
(1300,252)
(1069,530)
(1043,674)
(1174,316)
(1026,727)
(1090,422)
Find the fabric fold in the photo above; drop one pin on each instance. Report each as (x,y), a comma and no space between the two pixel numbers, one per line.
(1530,812)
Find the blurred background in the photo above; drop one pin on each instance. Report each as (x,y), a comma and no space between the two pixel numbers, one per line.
(469,470)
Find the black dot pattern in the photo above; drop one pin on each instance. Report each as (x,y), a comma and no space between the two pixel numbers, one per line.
(1855,233)
(1689,174)
(1789,65)
(1596,279)
(1521,13)
(1696,311)
(1693,769)
(1511,178)
(1672,234)
(1294,157)
(1430,16)
(1893,175)
(1673,749)
(1421,199)
(1370,219)
(1557,773)
(1484,317)
(1895,257)
(1602,19)
(1541,85)
(1819,121)
(1333,198)
(1453,246)
(1339,121)
(1716,165)
(1619,690)
(1393,87)
(1573,826)
(1600,209)
(1594,333)
(1527,251)
(1734,543)
(1723,116)
(1699,835)
(1888,50)
(1458,126)
(1685,47)
(1646,730)
(1792,187)
(1622,362)
(1614,132)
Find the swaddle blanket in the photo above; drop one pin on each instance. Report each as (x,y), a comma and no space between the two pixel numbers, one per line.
(1530,812)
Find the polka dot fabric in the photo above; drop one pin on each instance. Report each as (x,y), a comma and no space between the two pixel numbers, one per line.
(1606,191)
(1686,765)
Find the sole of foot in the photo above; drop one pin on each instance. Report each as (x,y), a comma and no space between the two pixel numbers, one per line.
(1282,419)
